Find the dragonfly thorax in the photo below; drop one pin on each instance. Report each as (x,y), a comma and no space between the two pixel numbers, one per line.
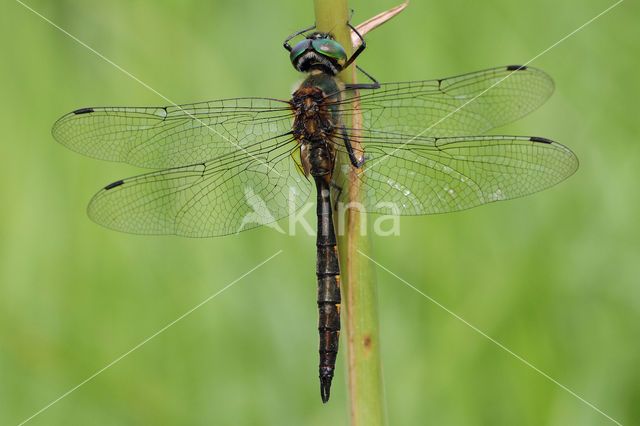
(319,51)
(314,129)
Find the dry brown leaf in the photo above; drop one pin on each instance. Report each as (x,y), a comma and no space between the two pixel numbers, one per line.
(376,21)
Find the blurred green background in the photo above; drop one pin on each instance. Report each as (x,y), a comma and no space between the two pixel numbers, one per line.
(554,276)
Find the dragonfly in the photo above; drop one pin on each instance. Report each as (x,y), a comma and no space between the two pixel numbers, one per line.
(225,166)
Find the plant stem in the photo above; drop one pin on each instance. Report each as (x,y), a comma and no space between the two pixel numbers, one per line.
(359,295)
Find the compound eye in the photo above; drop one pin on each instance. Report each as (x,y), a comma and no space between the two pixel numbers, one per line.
(330,48)
(299,49)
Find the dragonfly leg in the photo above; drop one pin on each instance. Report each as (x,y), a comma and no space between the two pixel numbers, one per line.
(337,199)
(374,85)
(359,50)
(286,42)
(352,155)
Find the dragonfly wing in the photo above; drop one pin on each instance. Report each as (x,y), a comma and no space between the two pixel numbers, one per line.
(161,137)
(467,104)
(439,175)
(235,192)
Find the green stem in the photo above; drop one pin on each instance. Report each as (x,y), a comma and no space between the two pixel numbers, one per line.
(359,294)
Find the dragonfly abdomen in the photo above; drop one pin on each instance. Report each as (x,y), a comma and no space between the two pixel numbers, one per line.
(328,273)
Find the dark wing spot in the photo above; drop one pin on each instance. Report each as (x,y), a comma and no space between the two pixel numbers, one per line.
(83,111)
(114,184)
(516,67)
(542,140)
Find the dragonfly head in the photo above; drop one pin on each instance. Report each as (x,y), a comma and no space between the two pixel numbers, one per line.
(319,51)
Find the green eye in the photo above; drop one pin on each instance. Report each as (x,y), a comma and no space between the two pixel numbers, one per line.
(330,48)
(299,49)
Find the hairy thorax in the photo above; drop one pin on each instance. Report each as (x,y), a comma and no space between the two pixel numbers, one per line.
(314,128)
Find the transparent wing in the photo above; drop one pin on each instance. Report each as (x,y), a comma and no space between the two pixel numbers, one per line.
(160,137)
(446,107)
(237,191)
(437,175)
